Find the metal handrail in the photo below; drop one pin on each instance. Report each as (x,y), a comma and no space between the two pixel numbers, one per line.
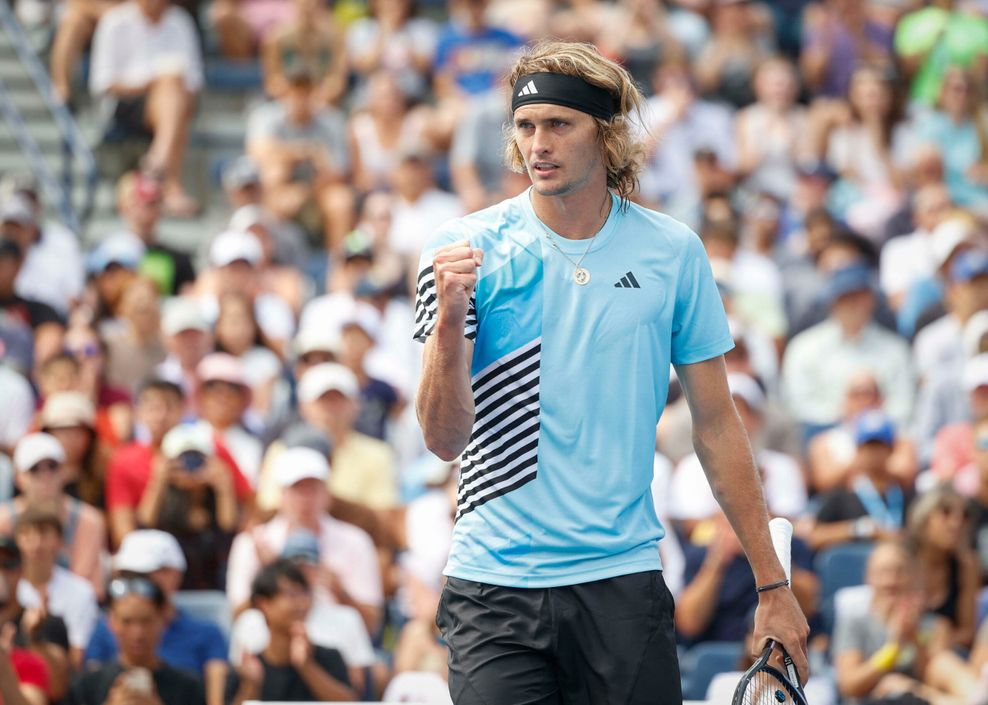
(74,144)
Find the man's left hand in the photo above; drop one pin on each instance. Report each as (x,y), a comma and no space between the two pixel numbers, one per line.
(780,617)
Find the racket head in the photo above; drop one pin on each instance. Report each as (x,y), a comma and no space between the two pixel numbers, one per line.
(763,684)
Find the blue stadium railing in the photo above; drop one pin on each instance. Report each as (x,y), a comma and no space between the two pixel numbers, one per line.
(75,150)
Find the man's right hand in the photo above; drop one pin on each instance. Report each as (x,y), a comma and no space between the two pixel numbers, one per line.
(455,270)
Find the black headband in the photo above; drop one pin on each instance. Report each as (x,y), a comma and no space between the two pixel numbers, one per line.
(561,89)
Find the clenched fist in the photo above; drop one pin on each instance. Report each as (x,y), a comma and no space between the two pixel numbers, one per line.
(455,269)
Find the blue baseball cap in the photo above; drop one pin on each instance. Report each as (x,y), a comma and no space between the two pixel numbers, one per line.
(122,249)
(847,280)
(874,427)
(968,265)
(301,546)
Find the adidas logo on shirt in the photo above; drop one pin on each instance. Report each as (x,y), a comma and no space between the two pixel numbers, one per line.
(529,89)
(628,281)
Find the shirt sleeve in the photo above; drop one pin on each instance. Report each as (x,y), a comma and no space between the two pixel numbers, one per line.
(119,492)
(214,645)
(699,327)
(30,669)
(426,296)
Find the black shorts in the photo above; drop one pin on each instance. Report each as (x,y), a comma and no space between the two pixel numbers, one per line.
(609,642)
(128,117)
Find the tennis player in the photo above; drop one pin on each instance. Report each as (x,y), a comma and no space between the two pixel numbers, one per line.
(549,323)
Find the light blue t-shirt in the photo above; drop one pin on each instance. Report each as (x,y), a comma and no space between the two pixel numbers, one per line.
(569,382)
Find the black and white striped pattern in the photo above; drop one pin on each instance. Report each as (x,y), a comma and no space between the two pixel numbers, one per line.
(503,451)
(426,307)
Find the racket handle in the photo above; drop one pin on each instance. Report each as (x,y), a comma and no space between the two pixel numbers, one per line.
(781,532)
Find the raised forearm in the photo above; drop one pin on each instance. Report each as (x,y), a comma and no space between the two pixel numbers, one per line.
(445,404)
(696,604)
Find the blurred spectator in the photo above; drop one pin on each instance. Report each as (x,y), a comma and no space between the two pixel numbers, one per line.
(52,269)
(719,590)
(346,552)
(39,460)
(146,66)
(478,173)
(71,418)
(283,251)
(959,130)
(769,129)
(19,406)
(831,453)
(138,612)
(114,413)
(691,500)
(888,650)
(420,206)
(37,323)
(395,39)
(197,493)
(224,399)
(187,643)
(639,38)
(729,62)
(309,40)
(238,335)
(74,32)
(378,134)
(159,409)
(135,346)
(47,586)
(35,631)
(237,259)
(933,38)
(290,668)
(861,149)
(872,503)
(301,152)
(363,467)
(140,199)
(838,37)
(939,536)
(112,268)
(938,346)
(910,258)
(819,361)
(684,130)
(188,339)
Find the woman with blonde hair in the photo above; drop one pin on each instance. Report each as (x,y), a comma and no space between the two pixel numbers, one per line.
(938,531)
(549,322)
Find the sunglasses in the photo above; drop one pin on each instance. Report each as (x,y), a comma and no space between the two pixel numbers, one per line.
(48,467)
(10,563)
(87,350)
(142,587)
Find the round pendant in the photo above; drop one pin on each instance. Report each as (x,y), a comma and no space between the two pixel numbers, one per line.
(581,276)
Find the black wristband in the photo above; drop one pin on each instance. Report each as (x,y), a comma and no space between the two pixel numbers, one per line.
(772,586)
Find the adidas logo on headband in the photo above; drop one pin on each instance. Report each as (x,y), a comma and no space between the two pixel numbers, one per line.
(529,89)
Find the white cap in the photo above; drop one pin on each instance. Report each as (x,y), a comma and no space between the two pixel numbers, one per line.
(17,209)
(67,410)
(744,386)
(183,313)
(222,367)
(327,377)
(188,437)
(233,245)
(366,317)
(34,448)
(314,338)
(947,236)
(148,550)
(976,372)
(299,463)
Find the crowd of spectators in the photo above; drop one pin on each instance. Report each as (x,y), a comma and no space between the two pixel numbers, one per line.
(239,419)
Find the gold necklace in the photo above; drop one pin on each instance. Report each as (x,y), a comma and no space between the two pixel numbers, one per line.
(581,275)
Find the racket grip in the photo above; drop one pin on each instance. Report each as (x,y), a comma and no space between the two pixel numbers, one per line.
(781,532)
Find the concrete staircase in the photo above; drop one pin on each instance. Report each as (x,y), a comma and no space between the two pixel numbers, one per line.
(217,135)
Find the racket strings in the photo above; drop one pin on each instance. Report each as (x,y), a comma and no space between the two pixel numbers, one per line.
(765,688)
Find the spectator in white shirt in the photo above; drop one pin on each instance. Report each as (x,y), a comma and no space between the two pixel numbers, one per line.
(420,207)
(44,584)
(819,362)
(147,64)
(345,551)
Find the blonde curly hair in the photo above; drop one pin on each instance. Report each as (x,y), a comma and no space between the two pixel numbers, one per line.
(624,151)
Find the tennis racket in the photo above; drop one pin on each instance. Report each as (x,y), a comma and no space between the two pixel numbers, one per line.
(764,684)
